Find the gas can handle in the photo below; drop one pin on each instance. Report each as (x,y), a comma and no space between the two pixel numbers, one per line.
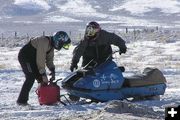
(55,81)
(37,91)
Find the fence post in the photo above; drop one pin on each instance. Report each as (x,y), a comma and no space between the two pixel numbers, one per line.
(15,34)
(79,36)
(157,28)
(70,33)
(2,36)
(126,30)
(43,33)
(134,31)
(27,37)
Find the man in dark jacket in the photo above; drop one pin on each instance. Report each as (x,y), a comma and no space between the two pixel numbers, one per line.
(34,56)
(96,46)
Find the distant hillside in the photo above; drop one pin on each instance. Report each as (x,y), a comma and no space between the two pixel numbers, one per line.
(27,15)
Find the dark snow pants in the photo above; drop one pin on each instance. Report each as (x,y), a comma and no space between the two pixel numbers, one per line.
(27,60)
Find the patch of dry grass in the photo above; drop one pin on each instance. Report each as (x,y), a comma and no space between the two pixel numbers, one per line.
(2,66)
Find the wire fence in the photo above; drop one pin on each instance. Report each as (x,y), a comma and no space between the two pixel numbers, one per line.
(15,38)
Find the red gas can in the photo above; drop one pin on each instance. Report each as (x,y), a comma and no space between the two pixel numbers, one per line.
(48,94)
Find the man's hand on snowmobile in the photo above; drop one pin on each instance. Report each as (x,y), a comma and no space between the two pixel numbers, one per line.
(122,50)
(73,66)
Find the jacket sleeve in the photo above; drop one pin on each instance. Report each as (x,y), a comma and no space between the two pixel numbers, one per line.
(117,41)
(78,51)
(50,59)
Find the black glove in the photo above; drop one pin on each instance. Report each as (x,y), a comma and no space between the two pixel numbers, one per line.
(122,50)
(52,74)
(73,66)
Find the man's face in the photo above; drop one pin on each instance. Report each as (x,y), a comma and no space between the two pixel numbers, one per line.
(91,31)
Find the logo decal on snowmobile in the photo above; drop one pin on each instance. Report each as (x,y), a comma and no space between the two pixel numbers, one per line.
(103,77)
(96,83)
(112,77)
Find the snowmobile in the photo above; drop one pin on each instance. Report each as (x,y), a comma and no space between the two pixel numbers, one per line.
(106,82)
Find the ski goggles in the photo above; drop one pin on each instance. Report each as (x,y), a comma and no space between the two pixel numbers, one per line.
(66,46)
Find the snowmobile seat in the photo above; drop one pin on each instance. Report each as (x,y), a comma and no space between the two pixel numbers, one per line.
(150,76)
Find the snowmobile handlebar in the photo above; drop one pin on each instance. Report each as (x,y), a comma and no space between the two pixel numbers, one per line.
(96,62)
(105,60)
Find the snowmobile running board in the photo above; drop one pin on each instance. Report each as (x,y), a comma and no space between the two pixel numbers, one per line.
(67,102)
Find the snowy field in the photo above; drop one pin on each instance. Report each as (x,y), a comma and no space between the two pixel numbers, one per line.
(158,48)
(155,49)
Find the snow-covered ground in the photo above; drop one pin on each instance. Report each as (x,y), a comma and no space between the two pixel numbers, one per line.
(149,49)
(145,49)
